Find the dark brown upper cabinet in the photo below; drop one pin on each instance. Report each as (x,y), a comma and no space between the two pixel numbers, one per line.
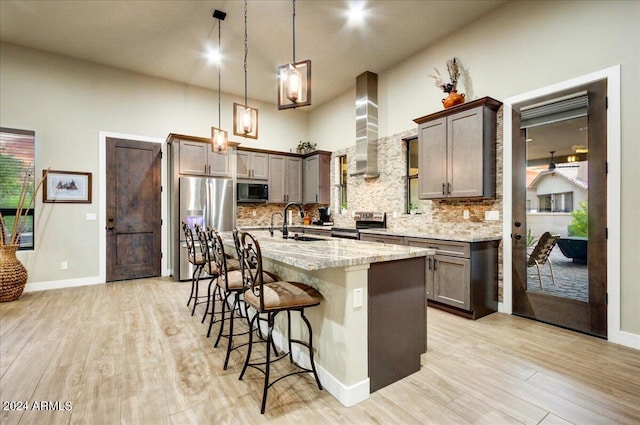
(457,151)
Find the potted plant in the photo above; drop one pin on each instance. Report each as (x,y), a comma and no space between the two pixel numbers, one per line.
(344,208)
(305,147)
(413,209)
(13,275)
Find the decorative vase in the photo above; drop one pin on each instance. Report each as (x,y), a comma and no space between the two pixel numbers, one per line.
(13,275)
(453,99)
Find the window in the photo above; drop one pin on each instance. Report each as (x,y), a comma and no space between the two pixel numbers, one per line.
(412,175)
(17,156)
(556,202)
(342,168)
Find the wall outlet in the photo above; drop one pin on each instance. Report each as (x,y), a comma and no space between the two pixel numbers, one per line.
(64,265)
(465,214)
(91,216)
(492,215)
(357,297)
(254,213)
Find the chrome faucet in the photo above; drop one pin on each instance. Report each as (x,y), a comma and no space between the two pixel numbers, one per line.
(285,231)
(271,226)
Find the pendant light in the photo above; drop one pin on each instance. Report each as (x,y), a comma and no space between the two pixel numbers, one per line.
(294,79)
(219,137)
(245,118)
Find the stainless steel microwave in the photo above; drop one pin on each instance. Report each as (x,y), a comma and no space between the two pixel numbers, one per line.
(252,192)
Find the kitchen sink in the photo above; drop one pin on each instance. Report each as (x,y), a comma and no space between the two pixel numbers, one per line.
(305,238)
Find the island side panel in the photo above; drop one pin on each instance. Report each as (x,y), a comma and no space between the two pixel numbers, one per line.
(339,329)
(397,320)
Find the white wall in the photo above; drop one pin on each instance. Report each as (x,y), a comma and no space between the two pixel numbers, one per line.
(515,49)
(67,102)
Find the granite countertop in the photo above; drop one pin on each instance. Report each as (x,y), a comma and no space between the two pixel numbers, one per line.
(327,252)
(432,235)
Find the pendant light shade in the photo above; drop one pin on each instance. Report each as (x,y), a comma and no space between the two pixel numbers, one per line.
(294,85)
(245,121)
(245,118)
(219,137)
(294,79)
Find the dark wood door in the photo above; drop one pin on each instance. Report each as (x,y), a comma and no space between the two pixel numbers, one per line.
(133,209)
(588,313)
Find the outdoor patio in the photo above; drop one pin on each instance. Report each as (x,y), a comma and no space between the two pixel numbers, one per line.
(571,279)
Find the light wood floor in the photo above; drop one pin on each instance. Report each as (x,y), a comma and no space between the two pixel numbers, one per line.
(130,353)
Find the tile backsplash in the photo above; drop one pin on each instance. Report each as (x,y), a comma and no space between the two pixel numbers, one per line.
(388,193)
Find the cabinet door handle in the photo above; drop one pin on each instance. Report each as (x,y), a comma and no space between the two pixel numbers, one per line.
(448,188)
(435,264)
(443,189)
(316,197)
(429,263)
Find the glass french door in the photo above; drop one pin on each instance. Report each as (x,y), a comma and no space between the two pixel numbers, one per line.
(559,209)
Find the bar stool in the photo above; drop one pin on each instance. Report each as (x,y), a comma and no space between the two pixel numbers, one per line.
(228,284)
(270,300)
(197,260)
(210,267)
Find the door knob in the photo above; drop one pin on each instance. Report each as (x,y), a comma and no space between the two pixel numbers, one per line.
(517,236)
(517,224)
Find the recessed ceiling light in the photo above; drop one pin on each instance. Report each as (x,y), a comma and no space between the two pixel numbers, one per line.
(213,56)
(357,13)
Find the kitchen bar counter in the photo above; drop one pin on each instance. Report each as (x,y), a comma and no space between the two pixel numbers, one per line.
(328,252)
(370,328)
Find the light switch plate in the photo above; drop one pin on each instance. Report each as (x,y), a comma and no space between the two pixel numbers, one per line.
(357,297)
(465,214)
(492,215)
(91,216)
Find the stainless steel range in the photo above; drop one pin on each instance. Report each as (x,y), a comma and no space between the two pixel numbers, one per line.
(363,220)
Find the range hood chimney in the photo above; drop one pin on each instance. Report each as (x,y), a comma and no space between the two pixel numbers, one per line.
(367,125)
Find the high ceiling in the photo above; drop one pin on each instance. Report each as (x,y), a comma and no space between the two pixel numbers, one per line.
(167,39)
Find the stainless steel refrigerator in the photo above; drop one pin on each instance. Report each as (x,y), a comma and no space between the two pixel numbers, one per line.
(208,202)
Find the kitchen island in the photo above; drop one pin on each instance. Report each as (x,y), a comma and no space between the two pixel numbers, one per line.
(370,329)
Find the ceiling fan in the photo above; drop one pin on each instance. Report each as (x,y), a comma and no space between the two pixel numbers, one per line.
(552,165)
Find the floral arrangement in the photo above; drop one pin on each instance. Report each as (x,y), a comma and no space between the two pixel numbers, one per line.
(454,73)
(22,210)
(304,147)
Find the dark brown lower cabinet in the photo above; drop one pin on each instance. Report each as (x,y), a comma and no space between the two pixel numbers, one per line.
(462,277)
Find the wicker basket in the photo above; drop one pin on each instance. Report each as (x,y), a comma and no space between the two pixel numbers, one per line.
(13,275)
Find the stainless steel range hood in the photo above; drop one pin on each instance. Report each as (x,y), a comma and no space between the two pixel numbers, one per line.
(367,125)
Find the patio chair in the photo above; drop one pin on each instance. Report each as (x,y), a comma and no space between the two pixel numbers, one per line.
(540,254)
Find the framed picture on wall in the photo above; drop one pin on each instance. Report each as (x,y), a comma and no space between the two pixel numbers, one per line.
(69,187)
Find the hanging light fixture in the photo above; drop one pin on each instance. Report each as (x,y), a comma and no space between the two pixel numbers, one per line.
(245,118)
(294,79)
(219,137)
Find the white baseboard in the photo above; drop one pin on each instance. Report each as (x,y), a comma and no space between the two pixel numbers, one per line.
(347,395)
(630,340)
(67,283)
